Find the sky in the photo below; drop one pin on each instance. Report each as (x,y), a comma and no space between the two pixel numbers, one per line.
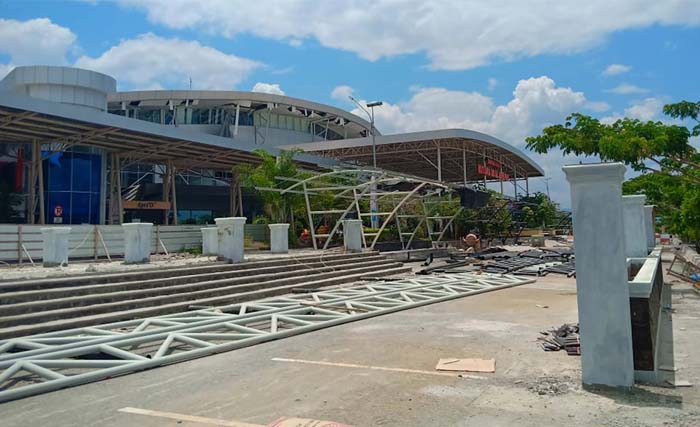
(507,68)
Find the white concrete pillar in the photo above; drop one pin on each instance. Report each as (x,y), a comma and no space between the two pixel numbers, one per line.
(279,238)
(55,246)
(352,235)
(601,274)
(210,241)
(635,225)
(231,242)
(138,238)
(650,225)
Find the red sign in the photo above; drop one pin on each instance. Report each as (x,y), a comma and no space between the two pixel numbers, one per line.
(492,172)
(58,210)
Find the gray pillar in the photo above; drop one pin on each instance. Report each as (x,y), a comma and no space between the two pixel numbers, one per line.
(138,237)
(55,246)
(352,235)
(231,242)
(635,226)
(650,225)
(601,274)
(279,238)
(210,241)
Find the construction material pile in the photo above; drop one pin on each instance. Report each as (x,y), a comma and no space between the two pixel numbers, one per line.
(536,262)
(566,337)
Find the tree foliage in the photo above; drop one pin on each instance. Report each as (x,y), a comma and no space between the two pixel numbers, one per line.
(669,164)
(278,206)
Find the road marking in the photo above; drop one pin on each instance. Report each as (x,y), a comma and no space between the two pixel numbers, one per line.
(183,417)
(377,368)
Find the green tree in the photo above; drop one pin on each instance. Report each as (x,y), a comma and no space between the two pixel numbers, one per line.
(662,153)
(277,206)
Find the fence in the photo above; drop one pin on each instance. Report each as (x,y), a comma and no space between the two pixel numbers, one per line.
(23,243)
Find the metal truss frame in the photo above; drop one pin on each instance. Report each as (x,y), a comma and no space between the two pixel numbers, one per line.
(368,183)
(52,361)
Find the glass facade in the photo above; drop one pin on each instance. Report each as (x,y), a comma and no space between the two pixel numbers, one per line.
(217,116)
(72,186)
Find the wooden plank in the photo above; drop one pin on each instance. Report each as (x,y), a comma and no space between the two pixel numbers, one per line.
(466,365)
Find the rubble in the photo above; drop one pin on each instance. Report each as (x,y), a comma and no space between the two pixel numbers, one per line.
(565,337)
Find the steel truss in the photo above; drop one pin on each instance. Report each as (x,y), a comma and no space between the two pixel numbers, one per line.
(361,184)
(52,361)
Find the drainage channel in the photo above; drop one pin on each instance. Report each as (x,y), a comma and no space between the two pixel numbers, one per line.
(42,363)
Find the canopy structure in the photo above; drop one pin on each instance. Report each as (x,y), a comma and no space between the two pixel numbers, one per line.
(449,155)
(30,120)
(414,206)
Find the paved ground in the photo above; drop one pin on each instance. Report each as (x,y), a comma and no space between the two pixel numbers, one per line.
(530,387)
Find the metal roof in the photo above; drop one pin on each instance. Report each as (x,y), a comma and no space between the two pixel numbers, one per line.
(25,119)
(417,153)
(255,100)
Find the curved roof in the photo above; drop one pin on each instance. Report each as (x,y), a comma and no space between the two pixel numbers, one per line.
(457,152)
(254,100)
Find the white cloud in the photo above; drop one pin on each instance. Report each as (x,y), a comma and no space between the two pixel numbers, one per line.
(150,61)
(597,106)
(536,103)
(342,93)
(36,41)
(627,89)
(492,83)
(373,29)
(271,88)
(615,69)
(647,109)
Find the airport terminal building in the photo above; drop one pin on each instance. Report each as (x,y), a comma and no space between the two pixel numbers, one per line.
(73,150)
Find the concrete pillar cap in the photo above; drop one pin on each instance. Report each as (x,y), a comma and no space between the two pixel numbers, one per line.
(56,230)
(278,226)
(230,220)
(634,199)
(596,172)
(137,224)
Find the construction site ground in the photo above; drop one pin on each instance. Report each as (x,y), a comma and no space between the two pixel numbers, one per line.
(381,372)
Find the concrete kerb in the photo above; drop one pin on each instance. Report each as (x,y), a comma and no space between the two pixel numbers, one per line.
(352,235)
(55,246)
(210,241)
(137,242)
(279,238)
(231,238)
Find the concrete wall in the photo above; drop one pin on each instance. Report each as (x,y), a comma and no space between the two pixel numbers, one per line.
(65,85)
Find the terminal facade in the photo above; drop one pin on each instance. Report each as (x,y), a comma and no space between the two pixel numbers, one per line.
(74,150)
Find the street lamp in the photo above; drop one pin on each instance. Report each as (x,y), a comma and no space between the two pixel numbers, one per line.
(371,106)
(374,206)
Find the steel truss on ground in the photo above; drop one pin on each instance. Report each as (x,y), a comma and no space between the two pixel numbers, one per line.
(363,184)
(52,361)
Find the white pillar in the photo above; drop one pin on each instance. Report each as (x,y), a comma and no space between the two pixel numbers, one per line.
(352,235)
(138,238)
(650,225)
(55,246)
(601,274)
(635,226)
(279,238)
(231,242)
(210,241)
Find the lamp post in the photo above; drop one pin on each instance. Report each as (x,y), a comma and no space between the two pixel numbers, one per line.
(373,196)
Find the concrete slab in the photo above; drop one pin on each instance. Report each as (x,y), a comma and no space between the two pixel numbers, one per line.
(529,388)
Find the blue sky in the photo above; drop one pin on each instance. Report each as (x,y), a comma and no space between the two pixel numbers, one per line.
(506,69)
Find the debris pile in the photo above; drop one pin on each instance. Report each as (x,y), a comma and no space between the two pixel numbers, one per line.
(536,262)
(552,385)
(565,337)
